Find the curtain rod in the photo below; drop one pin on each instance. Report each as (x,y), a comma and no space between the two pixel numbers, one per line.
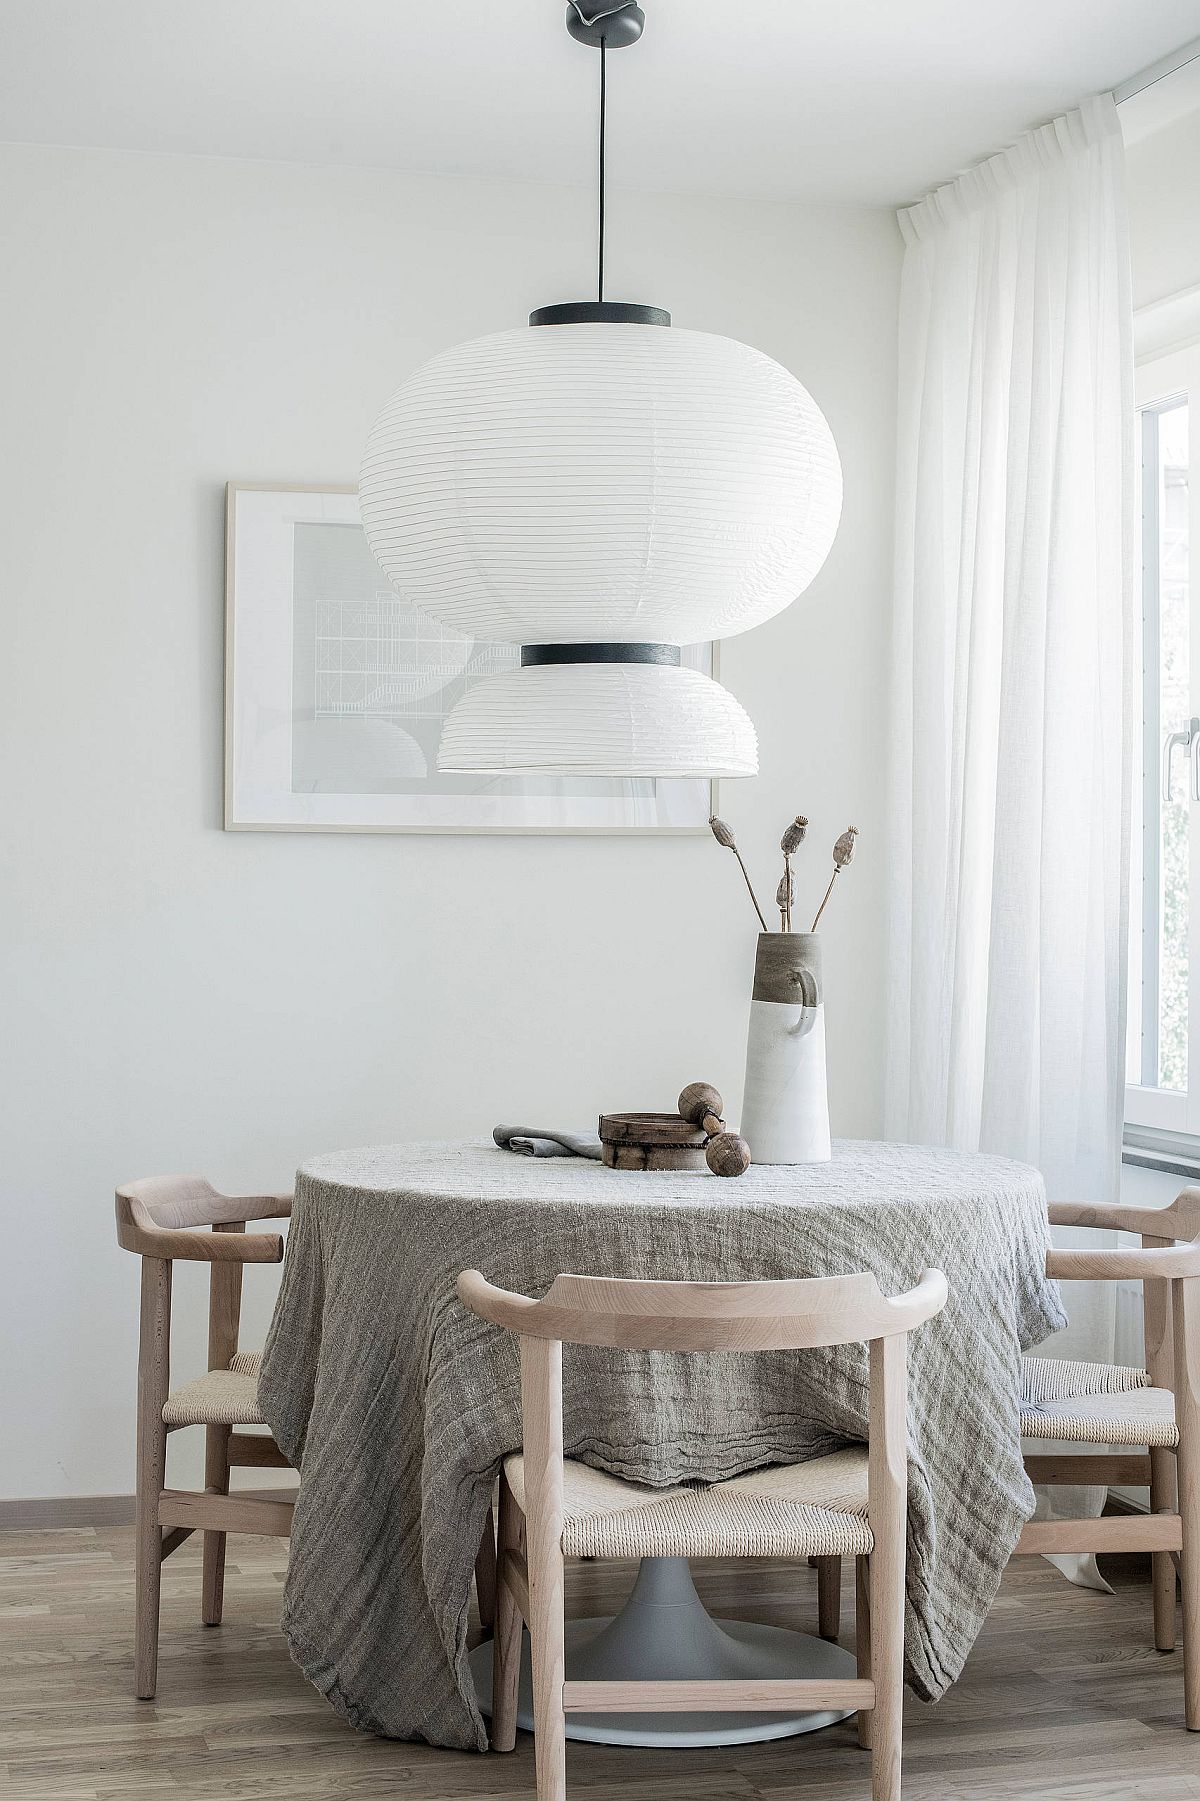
(1159,71)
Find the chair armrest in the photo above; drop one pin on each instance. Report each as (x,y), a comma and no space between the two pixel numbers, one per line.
(1165,1260)
(1180,1220)
(1175,1261)
(159,1217)
(1112,1216)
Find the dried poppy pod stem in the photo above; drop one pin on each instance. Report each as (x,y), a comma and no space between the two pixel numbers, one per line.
(784,895)
(724,836)
(791,841)
(843,850)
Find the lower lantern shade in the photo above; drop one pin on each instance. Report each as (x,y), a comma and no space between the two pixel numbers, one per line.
(623,719)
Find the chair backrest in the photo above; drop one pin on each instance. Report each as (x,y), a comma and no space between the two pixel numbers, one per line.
(157,1220)
(708,1316)
(1170,1247)
(156,1217)
(1167,1263)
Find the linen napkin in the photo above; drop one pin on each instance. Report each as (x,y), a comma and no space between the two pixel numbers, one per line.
(540,1141)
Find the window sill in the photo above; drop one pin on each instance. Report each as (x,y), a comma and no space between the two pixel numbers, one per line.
(1171,1153)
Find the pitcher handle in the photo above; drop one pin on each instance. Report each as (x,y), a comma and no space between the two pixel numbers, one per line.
(806,981)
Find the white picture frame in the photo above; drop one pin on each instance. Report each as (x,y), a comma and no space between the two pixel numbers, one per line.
(335,688)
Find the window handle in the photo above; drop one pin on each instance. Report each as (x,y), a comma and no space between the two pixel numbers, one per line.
(1188,740)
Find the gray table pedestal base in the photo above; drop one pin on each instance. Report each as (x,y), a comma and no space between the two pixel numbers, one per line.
(664,1631)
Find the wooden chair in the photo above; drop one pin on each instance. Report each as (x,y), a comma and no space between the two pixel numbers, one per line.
(852,1503)
(156,1219)
(1152,1414)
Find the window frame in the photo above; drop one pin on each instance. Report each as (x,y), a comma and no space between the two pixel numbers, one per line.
(1163,382)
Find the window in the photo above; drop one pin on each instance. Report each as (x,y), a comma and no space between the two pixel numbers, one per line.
(1164,1012)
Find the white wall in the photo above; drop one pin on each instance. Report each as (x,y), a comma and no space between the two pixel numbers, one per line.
(179,998)
(1164,215)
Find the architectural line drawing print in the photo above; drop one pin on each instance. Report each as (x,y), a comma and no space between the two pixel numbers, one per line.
(337,689)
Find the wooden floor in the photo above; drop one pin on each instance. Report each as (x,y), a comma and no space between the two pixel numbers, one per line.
(1064,1697)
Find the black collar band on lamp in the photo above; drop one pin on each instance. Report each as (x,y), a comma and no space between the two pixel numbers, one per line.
(534,654)
(603,25)
(599,312)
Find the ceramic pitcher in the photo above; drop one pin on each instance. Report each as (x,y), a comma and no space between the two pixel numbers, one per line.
(785,1106)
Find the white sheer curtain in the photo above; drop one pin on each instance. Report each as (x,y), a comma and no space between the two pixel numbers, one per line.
(1014,657)
(1014,650)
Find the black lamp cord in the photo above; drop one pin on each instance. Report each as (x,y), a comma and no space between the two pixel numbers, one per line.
(600,248)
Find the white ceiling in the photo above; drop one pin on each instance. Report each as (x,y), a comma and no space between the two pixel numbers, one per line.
(873,102)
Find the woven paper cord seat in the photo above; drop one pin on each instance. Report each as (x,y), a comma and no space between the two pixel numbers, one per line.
(815,1509)
(221,1398)
(1095,1404)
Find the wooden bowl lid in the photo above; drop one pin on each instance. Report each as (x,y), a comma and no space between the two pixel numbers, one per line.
(649,1129)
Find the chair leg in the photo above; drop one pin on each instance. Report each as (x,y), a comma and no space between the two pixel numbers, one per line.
(862,1641)
(216,1482)
(485,1574)
(151,1469)
(541,1420)
(1162,1500)
(506,1642)
(1187,1416)
(547,1638)
(887,1472)
(148,1561)
(887,1673)
(829,1597)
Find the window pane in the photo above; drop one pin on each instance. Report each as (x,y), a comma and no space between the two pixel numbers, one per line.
(1171,901)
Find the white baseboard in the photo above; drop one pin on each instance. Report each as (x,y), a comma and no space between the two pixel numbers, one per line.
(41,1515)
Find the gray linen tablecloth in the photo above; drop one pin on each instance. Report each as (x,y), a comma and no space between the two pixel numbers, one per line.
(397,1405)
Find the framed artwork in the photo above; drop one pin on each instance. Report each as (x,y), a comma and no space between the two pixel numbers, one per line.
(336,689)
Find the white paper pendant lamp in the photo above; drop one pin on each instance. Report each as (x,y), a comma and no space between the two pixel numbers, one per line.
(600,482)
(612,488)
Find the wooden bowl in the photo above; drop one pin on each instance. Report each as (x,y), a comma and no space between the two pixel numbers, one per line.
(650,1141)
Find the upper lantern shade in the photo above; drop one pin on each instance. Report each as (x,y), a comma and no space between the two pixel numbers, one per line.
(573,483)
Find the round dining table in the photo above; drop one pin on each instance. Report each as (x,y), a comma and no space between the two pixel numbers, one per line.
(398,1406)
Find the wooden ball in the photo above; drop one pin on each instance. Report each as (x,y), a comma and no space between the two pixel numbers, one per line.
(727,1154)
(697,1099)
